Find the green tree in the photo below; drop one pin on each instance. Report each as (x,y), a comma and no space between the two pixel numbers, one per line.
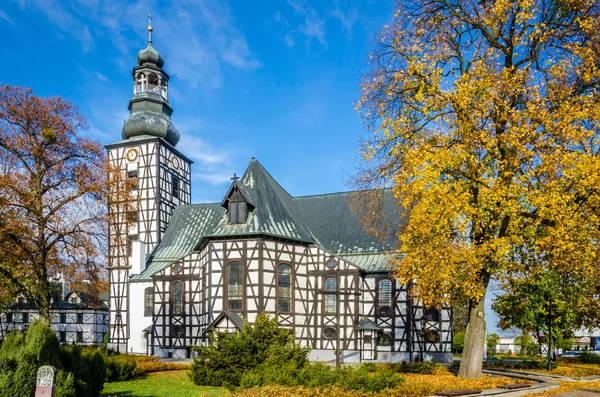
(492,341)
(526,345)
(547,299)
(458,342)
(484,123)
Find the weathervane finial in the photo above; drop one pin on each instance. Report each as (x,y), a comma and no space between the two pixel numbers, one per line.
(149,28)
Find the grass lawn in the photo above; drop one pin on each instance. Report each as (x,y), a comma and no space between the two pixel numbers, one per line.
(160,384)
(177,384)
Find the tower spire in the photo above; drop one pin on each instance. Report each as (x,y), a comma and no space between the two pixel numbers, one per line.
(149,107)
(149,29)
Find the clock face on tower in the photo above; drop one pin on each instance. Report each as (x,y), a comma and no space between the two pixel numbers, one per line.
(132,155)
(175,162)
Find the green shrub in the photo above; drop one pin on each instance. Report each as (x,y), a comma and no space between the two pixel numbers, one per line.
(65,384)
(369,367)
(358,378)
(264,344)
(590,358)
(120,367)
(317,375)
(424,367)
(80,372)
(533,364)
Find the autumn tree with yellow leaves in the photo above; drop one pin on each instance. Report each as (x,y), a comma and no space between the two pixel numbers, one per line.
(484,119)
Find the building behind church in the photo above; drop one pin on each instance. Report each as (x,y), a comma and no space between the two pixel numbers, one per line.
(75,317)
(182,270)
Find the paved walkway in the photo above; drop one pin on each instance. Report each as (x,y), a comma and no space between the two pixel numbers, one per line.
(579,393)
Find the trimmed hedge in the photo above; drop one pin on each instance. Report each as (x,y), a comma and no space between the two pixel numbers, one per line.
(423,367)
(590,358)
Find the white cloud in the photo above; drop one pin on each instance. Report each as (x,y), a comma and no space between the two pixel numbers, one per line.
(196,38)
(65,21)
(313,26)
(6,18)
(289,40)
(347,19)
(214,178)
(102,77)
(200,151)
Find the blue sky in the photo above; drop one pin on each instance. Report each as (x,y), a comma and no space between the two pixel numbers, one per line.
(276,80)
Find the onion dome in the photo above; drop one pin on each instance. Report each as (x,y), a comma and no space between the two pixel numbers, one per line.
(153,122)
(150,111)
(149,54)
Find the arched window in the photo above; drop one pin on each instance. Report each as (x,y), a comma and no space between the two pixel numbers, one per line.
(153,85)
(432,336)
(384,297)
(432,314)
(148,302)
(177,298)
(235,285)
(385,339)
(141,83)
(330,298)
(284,288)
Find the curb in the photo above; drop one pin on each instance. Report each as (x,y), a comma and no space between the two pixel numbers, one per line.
(537,377)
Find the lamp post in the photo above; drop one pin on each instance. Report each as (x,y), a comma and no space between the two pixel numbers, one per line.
(423,321)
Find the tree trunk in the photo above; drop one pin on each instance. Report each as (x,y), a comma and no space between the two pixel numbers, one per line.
(470,365)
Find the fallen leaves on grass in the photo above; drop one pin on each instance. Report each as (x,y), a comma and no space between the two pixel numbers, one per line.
(571,369)
(153,364)
(572,387)
(415,386)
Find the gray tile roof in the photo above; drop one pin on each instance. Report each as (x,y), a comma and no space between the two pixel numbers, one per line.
(368,325)
(237,320)
(338,228)
(325,220)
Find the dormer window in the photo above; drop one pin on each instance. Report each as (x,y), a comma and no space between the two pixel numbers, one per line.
(237,211)
(237,202)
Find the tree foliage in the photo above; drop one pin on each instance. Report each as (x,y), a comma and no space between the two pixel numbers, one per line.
(492,341)
(539,296)
(526,345)
(484,118)
(53,196)
(458,342)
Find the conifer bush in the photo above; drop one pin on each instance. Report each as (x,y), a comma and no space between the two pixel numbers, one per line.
(264,354)
(81,372)
(263,344)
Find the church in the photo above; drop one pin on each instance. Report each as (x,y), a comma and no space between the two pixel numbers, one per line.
(182,270)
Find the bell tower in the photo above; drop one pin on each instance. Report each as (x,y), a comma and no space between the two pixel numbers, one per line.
(147,153)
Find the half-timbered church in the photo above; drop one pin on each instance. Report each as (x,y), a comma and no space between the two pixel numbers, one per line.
(188,269)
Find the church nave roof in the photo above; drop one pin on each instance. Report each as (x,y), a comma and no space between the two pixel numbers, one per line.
(325,220)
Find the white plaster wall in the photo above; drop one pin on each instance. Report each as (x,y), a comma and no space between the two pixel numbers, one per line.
(137,341)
